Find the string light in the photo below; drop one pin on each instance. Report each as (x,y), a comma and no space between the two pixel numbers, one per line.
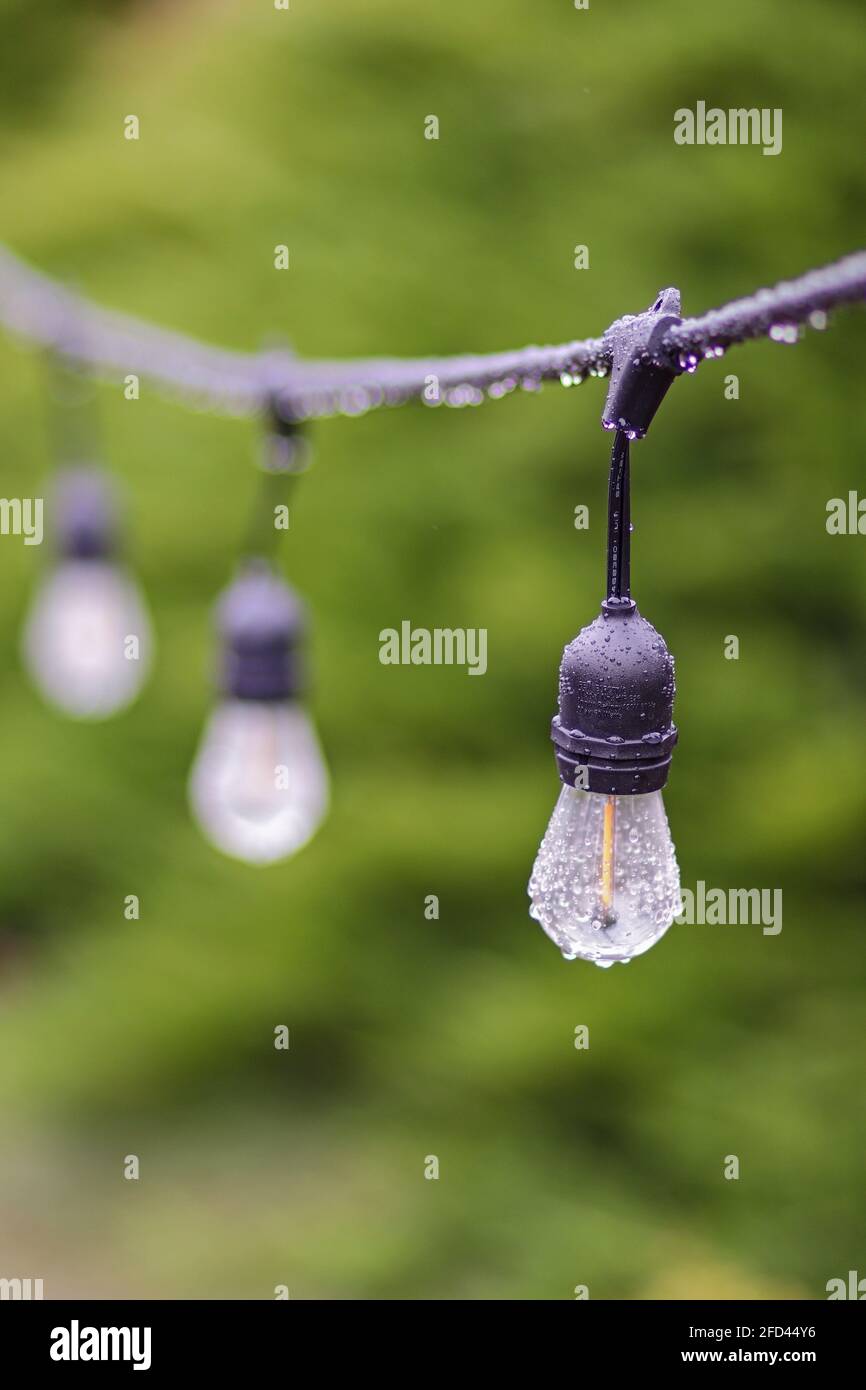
(605,884)
(259,786)
(87,640)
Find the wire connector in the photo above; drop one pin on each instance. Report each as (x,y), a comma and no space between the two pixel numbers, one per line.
(637,383)
(287,448)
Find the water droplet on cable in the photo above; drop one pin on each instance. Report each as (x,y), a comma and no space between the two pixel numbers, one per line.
(784,332)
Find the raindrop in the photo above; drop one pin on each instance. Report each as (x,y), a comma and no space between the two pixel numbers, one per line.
(784,332)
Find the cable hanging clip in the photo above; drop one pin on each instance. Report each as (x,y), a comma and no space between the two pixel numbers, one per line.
(638,384)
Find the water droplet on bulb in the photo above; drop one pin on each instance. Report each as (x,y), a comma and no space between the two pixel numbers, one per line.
(566,884)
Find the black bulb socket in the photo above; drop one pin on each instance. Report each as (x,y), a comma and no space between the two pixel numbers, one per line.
(614,732)
(85,515)
(262,624)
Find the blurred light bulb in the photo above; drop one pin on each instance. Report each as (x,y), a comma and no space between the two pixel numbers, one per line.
(606,886)
(258,787)
(87,640)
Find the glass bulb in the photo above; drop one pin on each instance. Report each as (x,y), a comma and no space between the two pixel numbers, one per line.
(259,786)
(606,886)
(77,641)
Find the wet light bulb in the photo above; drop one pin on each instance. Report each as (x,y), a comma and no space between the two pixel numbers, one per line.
(605,886)
(87,642)
(258,787)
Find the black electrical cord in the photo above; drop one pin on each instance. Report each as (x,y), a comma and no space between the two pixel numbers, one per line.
(619,520)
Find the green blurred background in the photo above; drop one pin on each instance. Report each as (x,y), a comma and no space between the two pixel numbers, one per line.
(455,1038)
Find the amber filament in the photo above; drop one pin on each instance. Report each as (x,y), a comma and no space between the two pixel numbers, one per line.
(607,854)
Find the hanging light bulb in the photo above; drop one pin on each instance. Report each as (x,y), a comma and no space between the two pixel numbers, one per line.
(259,787)
(87,641)
(606,886)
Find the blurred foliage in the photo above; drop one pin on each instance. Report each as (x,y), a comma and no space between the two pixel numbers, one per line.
(454,1037)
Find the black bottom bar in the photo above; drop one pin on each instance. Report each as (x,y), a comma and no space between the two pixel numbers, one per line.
(222,1337)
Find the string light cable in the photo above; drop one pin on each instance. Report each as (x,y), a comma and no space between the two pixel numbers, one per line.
(605,886)
(114,345)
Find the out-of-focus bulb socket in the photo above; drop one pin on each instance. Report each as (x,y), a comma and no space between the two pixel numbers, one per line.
(85,515)
(261,622)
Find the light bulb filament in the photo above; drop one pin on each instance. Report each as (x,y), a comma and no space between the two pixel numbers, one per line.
(607,857)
